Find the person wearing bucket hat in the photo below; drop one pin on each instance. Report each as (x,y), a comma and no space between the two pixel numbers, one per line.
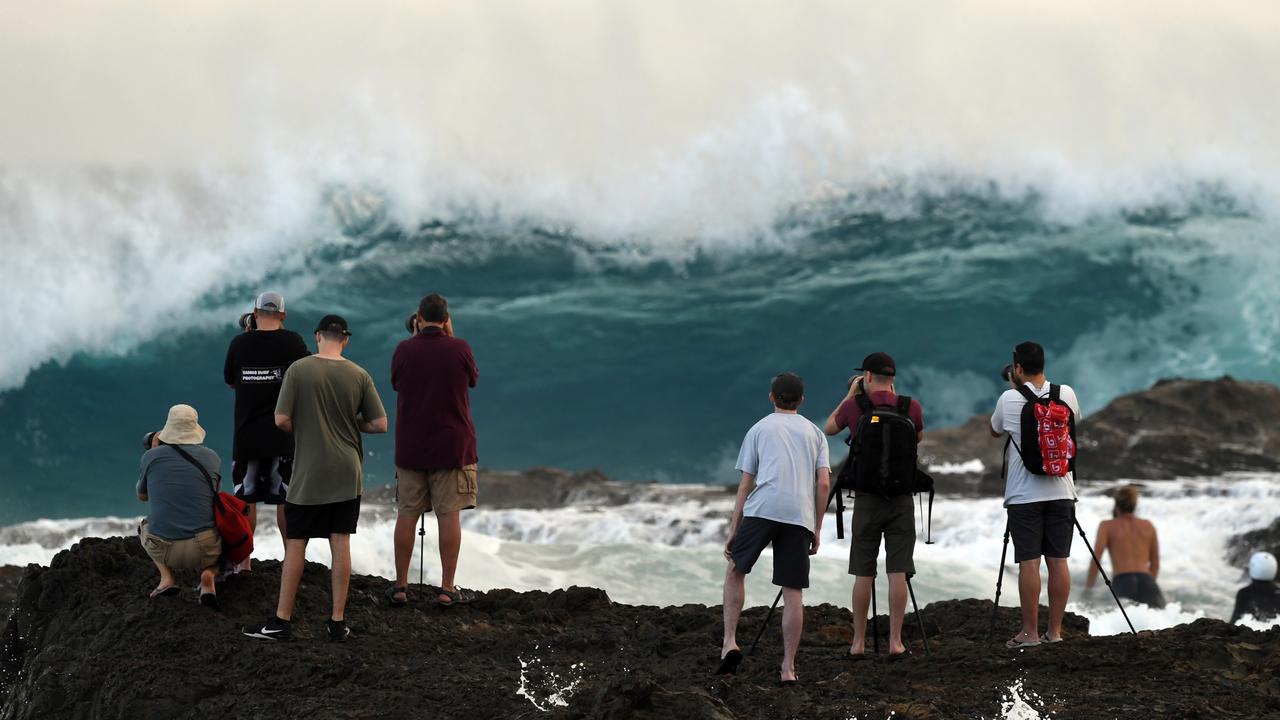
(261,453)
(326,402)
(179,531)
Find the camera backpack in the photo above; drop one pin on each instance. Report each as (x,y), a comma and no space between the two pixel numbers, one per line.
(1048,433)
(882,456)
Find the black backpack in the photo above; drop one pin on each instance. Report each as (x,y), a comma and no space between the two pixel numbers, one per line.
(882,457)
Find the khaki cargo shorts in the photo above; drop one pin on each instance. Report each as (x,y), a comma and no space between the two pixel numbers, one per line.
(193,553)
(444,491)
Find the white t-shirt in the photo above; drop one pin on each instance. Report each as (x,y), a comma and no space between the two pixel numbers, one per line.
(1021,486)
(784,452)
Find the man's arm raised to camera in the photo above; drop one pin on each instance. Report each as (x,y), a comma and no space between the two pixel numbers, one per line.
(832,426)
(745,486)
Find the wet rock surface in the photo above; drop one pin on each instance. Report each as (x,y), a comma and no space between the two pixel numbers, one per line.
(84,642)
(1177,428)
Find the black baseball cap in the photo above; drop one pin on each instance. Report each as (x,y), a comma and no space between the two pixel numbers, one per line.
(879,363)
(333,324)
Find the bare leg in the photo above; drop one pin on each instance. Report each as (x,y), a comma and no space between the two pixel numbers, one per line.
(1059,592)
(735,593)
(861,603)
(897,611)
(1029,596)
(792,627)
(295,557)
(449,526)
(166,579)
(284,537)
(253,517)
(402,539)
(207,578)
(340,574)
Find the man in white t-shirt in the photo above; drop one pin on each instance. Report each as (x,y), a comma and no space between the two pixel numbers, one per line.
(1041,508)
(782,498)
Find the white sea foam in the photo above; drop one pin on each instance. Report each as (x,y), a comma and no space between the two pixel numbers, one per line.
(659,554)
(961,468)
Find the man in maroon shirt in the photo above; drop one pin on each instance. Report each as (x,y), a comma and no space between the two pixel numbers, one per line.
(431,373)
(874,516)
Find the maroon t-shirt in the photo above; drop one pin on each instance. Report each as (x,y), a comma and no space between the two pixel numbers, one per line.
(431,374)
(850,414)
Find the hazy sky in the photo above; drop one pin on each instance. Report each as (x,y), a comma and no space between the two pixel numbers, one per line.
(514,85)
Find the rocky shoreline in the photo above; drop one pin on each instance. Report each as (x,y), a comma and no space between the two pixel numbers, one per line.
(84,642)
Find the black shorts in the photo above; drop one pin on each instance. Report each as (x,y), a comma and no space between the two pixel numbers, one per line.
(895,519)
(302,522)
(264,480)
(1042,528)
(1139,587)
(790,549)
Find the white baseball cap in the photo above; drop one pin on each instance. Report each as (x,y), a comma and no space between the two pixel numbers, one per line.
(270,301)
(1262,566)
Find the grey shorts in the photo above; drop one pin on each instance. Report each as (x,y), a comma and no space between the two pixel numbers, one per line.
(790,550)
(895,519)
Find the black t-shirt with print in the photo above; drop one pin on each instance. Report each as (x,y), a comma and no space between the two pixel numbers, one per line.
(255,367)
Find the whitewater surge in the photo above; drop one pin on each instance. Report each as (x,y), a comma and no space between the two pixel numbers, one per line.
(669,554)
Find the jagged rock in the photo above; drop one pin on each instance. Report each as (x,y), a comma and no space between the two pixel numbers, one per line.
(84,642)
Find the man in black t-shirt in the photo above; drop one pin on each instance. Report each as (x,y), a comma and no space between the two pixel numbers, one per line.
(262,454)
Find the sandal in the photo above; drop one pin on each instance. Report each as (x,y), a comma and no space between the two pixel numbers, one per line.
(1044,640)
(210,600)
(1016,643)
(457,596)
(164,592)
(391,593)
(730,662)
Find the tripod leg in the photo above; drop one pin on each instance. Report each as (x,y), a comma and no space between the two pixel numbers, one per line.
(765,624)
(875,622)
(999,580)
(422,549)
(919,618)
(1105,579)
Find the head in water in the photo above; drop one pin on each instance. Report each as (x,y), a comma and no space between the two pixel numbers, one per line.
(1262,566)
(1126,499)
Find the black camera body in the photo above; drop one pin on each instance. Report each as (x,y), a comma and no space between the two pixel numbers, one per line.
(1007,373)
(248,322)
(146,439)
(411,324)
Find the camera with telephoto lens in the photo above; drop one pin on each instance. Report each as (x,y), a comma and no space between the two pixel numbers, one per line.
(148,438)
(1007,373)
(248,322)
(411,324)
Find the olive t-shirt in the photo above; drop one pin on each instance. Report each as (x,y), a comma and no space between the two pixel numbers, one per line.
(325,398)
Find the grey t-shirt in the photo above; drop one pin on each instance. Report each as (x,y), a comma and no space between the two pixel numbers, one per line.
(1021,486)
(784,451)
(179,499)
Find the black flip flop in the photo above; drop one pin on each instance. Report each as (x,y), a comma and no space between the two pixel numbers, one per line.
(730,662)
(167,592)
(790,683)
(855,657)
(896,657)
(210,600)
(391,591)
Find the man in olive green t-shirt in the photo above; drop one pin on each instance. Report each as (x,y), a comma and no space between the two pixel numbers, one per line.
(326,402)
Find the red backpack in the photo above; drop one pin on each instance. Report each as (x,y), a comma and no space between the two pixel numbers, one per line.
(1048,433)
(230,516)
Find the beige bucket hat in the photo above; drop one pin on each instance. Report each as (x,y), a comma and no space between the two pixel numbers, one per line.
(182,427)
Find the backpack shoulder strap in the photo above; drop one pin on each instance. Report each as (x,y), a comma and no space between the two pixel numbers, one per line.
(1055,392)
(864,402)
(1026,393)
(904,405)
(199,465)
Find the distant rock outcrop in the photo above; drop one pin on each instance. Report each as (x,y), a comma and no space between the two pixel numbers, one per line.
(1177,428)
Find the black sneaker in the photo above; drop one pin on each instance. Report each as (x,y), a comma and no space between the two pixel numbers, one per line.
(273,629)
(338,630)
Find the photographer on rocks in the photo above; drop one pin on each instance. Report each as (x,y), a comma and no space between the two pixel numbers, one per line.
(432,373)
(1039,418)
(179,531)
(261,453)
(874,514)
(781,502)
(326,402)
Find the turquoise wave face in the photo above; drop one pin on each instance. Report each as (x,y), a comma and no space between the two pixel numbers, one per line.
(611,356)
